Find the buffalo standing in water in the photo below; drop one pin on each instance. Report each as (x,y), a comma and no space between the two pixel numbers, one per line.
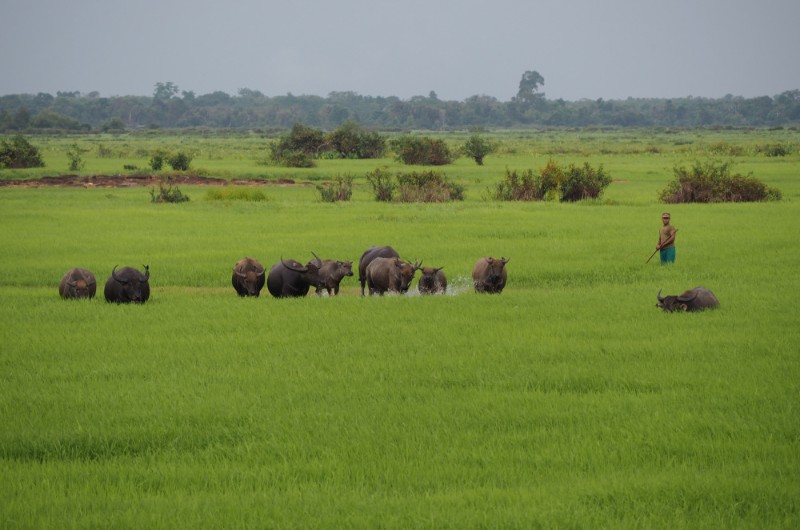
(77,283)
(432,281)
(366,258)
(128,285)
(288,278)
(248,277)
(390,275)
(696,299)
(331,274)
(489,275)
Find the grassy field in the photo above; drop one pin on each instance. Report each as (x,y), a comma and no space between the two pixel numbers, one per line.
(568,401)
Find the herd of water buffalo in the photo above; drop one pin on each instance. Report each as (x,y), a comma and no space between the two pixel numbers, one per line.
(380,269)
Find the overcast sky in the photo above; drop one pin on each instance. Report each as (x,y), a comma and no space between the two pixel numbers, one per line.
(611,49)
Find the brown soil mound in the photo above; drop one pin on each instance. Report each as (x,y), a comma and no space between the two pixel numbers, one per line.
(132,181)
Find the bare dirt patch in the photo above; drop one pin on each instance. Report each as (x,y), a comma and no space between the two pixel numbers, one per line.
(133,181)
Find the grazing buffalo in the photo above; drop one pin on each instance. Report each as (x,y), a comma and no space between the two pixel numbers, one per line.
(128,285)
(331,274)
(432,281)
(289,278)
(366,258)
(489,275)
(390,275)
(248,277)
(696,299)
(77,283)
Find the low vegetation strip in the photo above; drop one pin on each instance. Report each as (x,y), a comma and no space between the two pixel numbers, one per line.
(131,181)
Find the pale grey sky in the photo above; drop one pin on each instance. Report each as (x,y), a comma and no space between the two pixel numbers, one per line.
(611,49)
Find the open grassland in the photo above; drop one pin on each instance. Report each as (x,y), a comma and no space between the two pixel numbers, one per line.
(567,401)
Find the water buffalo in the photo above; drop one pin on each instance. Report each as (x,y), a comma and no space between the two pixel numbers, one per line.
(432,281)
(390,275)
(289,278)
(366,258)
(77,283)
(128,285)
(696,299)
(331,274)
(248,277)
(489,275)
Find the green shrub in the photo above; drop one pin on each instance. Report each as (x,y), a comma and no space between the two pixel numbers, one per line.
(476,147)
(350,141)
(180,161)
(299,147)
(382,186)
(713,182)
(167,193)
(157,159)
(573,183)
(774,149)
(75,157)
(583,182)
(236,194)
(422,151)
(340,190)
(427,186)
(18,153)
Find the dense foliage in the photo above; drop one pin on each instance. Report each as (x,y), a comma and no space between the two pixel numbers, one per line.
(554,182)
(17,152)
(476,147)
(303,144)
(252,109)
(340,190)
(714,182)
(421,151)
(416,186)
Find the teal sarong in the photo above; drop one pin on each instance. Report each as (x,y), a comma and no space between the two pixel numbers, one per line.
(667,255)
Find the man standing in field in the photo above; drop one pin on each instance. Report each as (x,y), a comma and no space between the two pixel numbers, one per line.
(666,240)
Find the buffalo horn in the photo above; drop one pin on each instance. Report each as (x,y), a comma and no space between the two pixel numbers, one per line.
(239,274)
(146,272)
(317,262)
(114,275)
(504,260)
(261,272)
(660,299)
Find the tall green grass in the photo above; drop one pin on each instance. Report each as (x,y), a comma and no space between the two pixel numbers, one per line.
(567,401)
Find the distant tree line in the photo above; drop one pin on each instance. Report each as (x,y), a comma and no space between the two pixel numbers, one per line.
(169,107)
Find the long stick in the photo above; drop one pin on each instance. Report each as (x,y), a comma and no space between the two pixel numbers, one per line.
(656,250)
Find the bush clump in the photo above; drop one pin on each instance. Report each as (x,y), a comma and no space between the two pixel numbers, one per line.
(554,182)
(18,153)
(713,182)
(477,148)
(774,149)
(180,161)
(236,194)
(417,186)
(382,184)
(340,190)
(304,144)
(167,193)
(423,151)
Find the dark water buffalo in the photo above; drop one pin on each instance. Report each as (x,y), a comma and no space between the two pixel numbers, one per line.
(331,274)
(248,277)
(289,278)
(128,285)
(366,258)
(392,275)
(77,283)
(432,281)
(489,275)
(696,299)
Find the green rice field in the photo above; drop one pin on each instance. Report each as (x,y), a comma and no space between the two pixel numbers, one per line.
(567,401)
